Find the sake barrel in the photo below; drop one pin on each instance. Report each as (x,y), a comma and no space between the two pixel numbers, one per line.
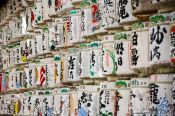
(11,55)
(15,31)
(86,21)
(1,76)
(67,31)
(1,62)
(122,93)
(56,37)
(160,40)
(59,28)
(172,41)
(64,67)
(75,26)
(38,12)
(22,54)
(73,111)
(34,16)
(45,8)
(96,60)
(109,57)
(45,40)
(47,103)
(140,46)
(160,94)
(125,12)
(11,31)
(26,78)
(23,100)
(29,103)
(139,96)
(18,104)
(4,29)
(1,104)
(29,18)
(88,100)
(64,106)
(9,104)
(107,98)
(50,71)
(66,5)
(56,101)
(57,69)
(38,44)
(33,74)
(54,7)
(5,34)
(122,52)
(96,17)
(19,78)
(110,15)
(23,23)
(4,105)
(84,60)
(5,82)
(173,17)
(46,72)
(8,109)
(16,55)
(142,7)
(38,102)
(73,66)
(31,47)
(173,95)
(40,75)
(12,80)
(17,26)
(5,58)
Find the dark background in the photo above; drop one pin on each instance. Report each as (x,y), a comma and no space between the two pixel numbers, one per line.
(3,2)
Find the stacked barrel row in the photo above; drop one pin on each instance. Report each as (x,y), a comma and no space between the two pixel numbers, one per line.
(123,53)
(138,96)
(87,57)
